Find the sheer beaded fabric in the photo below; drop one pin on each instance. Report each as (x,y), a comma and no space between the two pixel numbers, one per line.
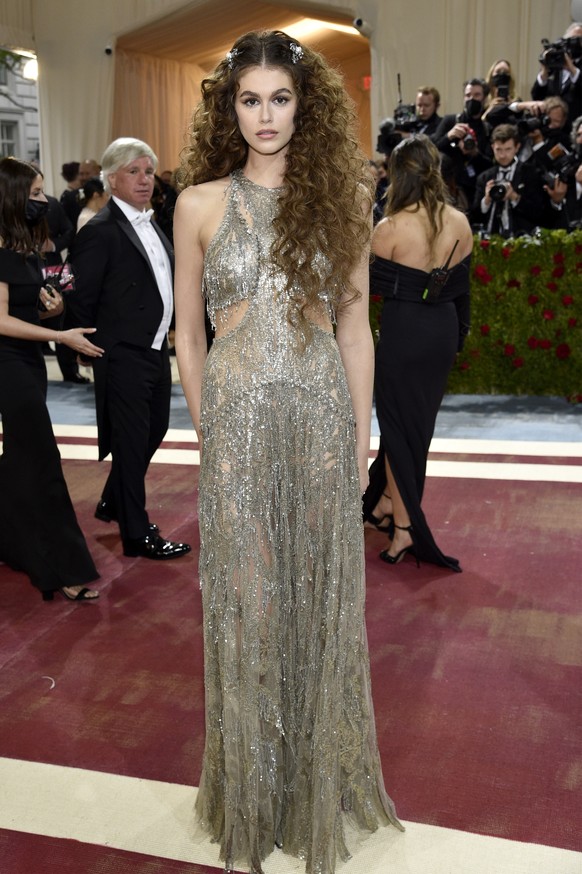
(290,750)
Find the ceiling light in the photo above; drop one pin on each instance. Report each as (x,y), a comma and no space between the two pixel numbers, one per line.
(308,27)
(30,69)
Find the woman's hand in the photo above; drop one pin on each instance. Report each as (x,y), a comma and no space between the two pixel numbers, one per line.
(364,473)
(75,339)
(52,302)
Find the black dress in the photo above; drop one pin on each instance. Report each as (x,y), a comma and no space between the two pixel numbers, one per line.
(416,350)
(39,533)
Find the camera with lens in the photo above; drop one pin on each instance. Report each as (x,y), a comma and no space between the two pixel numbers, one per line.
(406,119)
(470,140)
(532,122)
(498,191)
(562,165)
(388,137)
(553,54)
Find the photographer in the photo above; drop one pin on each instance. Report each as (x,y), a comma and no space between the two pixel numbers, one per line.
(427,102)
(501,95)
(560,70)
(508,197)
(543,134)
(565,190)
(465,137)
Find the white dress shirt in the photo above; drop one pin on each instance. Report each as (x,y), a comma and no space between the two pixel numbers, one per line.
(159,260)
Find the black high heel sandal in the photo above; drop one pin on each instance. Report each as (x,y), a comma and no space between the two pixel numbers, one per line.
(80,596)
(394,559)
(377,523)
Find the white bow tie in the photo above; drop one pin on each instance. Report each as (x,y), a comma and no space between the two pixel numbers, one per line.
(143,218)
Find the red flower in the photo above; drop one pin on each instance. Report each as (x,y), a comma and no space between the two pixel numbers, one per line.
(563,351)
(532,299)
(518,362)
(509,350)
(552,286)
(485,244)
(482,274)
(532,342)
(513,283)
(485,329)
(465,365)
(578,248)
(559,258)
(506,252)
(567,300)
(558,272)
(545,344)
(579,266)
(535,270)
(548,315)
(375,298)
(572,322)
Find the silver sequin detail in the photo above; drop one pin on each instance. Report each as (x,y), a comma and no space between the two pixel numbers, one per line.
(290,737)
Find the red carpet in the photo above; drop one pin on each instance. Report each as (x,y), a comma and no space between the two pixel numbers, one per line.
(35,853)
(476,676)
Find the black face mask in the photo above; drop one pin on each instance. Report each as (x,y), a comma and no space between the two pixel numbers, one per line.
(500,79)
(473,107)
(35,211)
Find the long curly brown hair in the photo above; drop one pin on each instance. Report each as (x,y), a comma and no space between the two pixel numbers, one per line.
(416,180)
(328,191)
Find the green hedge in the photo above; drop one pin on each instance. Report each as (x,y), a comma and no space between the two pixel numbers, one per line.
(526,318)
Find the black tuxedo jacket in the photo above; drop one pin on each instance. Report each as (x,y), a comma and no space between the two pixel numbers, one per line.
(116,292)
(528,213)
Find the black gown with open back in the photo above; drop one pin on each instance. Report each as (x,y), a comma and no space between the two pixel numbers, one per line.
(39,533)
(416,350)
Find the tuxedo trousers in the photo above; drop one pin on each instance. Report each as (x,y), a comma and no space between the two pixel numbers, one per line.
(137,392)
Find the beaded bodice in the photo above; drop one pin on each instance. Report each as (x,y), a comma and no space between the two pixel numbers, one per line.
(238,265)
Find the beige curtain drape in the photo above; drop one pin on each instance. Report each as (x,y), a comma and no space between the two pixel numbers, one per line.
(153,100)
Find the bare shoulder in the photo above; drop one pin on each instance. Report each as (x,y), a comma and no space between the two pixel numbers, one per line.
(383,238)
(203,196)
(200,208)
(458,224)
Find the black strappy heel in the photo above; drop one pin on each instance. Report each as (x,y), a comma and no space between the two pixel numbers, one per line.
(377,523)
(394,559)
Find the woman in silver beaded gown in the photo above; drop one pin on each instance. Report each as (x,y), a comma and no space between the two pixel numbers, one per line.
(272,233)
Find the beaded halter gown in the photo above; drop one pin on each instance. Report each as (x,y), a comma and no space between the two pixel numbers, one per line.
(290,738)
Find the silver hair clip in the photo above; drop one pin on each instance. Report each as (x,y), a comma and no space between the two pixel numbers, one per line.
(296,52)
(230,56)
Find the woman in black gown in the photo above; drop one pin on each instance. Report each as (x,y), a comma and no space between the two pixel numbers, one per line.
(420,335)
(39,533)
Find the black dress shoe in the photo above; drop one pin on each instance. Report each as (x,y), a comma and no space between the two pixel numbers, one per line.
(153,546)
(105,513)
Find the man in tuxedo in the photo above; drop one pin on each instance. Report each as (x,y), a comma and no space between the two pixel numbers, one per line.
(509,198)
(464,137)
(123,266)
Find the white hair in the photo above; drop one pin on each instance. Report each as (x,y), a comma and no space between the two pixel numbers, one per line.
(122,152)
